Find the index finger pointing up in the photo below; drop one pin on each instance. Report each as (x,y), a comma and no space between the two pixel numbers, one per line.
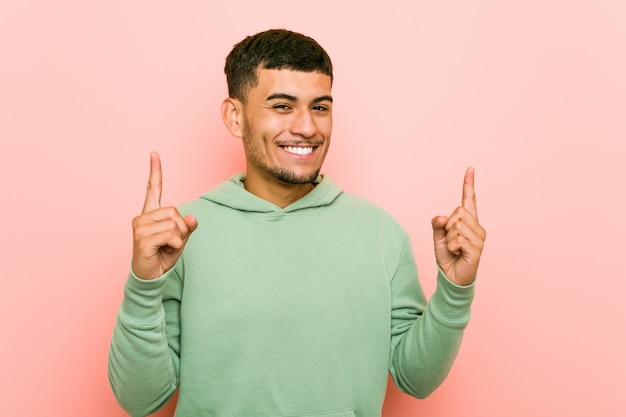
(153,192)
(469,197)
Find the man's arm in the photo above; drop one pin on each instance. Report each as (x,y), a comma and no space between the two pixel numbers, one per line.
(426,338)
(145,347)
(144,353)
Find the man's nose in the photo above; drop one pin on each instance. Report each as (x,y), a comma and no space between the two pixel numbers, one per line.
(303,124)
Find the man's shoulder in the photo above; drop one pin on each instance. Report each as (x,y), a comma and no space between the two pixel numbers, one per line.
(202,202)
(226,193)
(361,202)
(359,206)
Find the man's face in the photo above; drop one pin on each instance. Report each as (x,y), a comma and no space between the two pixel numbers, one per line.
(287,126)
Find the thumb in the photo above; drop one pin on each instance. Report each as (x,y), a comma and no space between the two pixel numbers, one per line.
(439,228)
(439,239)
(192,222)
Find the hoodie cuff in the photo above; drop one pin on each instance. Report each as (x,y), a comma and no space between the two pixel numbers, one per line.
(452,302)
(143,298)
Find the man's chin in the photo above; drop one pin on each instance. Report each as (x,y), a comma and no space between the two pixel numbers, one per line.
(292,178)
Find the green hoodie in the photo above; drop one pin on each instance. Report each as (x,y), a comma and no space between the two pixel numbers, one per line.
(300,311)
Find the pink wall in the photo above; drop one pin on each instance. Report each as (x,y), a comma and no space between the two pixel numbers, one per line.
(533,93)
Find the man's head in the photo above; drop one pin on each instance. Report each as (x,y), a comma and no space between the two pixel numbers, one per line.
(272,49)
(280,105)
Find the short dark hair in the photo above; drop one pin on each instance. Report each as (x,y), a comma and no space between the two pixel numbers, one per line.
(272,49)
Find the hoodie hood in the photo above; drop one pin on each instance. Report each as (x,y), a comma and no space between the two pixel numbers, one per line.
(232,194)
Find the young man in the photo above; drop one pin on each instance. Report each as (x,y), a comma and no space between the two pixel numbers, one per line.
(291,297)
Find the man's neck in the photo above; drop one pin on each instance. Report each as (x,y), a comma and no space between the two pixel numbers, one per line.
(279,193)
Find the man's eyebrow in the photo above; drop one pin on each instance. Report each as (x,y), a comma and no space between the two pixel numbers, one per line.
(323,98)
(283,96)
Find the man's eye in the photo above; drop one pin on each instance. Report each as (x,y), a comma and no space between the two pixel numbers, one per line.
(320,108)
(281,107)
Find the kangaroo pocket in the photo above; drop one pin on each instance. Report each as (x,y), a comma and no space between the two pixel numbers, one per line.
(340,413)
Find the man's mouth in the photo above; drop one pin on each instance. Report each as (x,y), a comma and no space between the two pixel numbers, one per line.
(299,150)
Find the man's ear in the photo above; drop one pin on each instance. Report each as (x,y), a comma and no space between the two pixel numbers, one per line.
(232,115)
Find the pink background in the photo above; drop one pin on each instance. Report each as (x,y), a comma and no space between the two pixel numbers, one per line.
(532,93)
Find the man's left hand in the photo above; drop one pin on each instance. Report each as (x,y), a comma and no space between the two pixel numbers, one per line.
(459,239)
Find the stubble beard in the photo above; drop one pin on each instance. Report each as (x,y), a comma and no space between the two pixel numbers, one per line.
(282,174)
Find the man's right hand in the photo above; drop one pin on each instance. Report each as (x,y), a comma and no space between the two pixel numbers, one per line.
(159,234)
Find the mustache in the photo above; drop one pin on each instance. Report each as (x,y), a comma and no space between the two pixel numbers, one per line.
(300,142)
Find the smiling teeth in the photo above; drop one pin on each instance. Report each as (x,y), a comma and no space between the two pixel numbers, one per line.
(298,150)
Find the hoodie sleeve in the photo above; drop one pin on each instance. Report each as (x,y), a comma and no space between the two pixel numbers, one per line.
(425,337)
(144,352)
